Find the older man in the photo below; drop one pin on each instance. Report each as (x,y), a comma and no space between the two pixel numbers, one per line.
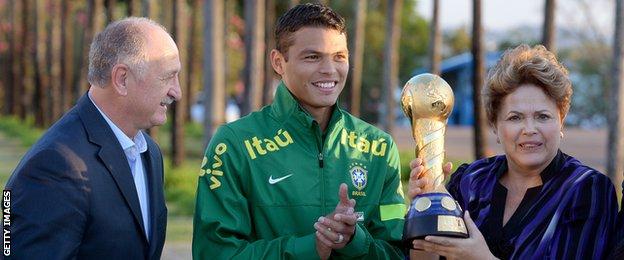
(92,186)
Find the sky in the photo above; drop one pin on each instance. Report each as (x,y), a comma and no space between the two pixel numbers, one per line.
(509,14)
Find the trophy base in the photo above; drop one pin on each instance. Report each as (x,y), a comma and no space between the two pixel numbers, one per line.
(433,214)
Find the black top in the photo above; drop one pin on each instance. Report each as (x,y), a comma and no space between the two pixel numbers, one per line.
(499,237)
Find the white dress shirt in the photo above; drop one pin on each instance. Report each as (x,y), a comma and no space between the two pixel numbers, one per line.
(133,149)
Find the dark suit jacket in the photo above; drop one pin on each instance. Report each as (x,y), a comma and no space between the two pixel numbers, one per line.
(73,195)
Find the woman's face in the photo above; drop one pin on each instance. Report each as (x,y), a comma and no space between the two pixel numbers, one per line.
(529,128)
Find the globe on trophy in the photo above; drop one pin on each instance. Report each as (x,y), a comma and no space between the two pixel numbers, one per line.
(427,100)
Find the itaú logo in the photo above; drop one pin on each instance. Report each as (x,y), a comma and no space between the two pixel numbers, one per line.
(263,146)
(376,147)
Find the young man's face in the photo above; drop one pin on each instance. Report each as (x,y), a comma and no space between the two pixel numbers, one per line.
(315,66)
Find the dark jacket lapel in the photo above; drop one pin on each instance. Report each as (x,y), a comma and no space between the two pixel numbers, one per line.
(111,154)
(153,170)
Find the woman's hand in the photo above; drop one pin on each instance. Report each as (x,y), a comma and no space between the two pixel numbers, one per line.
(473,247)
(421,182)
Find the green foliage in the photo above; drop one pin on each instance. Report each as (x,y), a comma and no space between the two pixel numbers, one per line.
(516,37)
(590,67)
(458,41)
(14,127)
(413,45)
(180,187)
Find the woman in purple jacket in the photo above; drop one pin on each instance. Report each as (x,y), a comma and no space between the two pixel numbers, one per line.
(533,202)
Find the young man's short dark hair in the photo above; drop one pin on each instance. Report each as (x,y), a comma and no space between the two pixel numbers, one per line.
(313,15)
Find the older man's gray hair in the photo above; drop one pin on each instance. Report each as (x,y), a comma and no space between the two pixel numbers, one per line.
(122,41)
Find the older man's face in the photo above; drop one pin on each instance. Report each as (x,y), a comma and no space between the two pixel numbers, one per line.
(158,84)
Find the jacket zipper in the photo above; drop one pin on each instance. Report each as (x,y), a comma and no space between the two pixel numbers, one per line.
(321,163)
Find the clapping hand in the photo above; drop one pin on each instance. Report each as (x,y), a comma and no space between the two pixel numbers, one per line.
(335,230)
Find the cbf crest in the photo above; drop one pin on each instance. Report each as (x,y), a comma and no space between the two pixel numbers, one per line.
(359,178)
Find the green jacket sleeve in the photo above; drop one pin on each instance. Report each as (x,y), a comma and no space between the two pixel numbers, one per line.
(381,238)
(222,226)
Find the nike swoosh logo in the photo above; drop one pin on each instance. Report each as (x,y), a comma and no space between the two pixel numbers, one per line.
(274,181)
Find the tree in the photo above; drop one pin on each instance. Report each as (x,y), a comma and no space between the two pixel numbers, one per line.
(391,61)
(6,61)
(194,60)
(14,93)
(178,109)
(42,103)
(67,52)
(254,51)
(549,33)
(615,161)
(110,10)
(214,67)
(56,61)
(435,40)
(458,41)
(95,24)
(134,8)
(269,73)
(478,70)
(357,58)
(29,56)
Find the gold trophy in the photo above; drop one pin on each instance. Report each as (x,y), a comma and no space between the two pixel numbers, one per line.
(427,100)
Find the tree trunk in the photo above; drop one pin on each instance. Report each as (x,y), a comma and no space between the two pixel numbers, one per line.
(134,8)
(194,74)
(67,38)
(110,11)
(549,33)
(180,33)
(95,25)
(42,74)
(178,108)
(15,51)
(26,98)
(254,51)
(478,74)
(269,74)
(615,143)
(435,41)
(391,59)
(6,58)
(150,9)
(56,60)
(214,67)
(357,57)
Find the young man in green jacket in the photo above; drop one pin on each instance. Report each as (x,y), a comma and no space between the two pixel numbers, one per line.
(276,183)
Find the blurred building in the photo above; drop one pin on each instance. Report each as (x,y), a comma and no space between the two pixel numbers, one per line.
(457,72)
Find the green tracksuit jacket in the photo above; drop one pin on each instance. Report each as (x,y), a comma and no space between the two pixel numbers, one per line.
(268,177)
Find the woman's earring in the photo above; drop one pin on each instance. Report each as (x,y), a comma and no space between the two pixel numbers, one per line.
(561,134)
(497,140)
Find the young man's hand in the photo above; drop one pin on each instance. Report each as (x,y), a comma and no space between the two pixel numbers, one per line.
(421,182)
(337,229)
